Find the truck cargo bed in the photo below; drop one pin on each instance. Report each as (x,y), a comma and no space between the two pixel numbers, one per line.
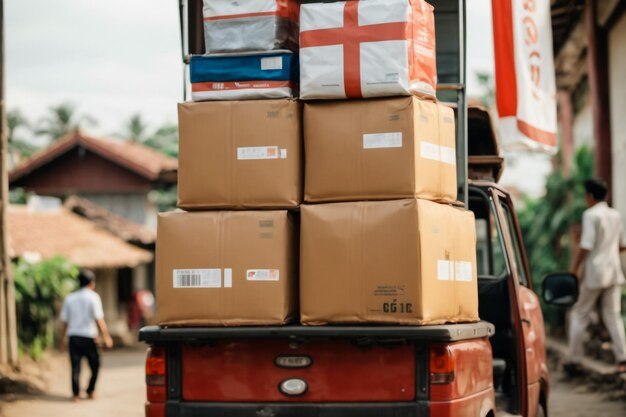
(445,333)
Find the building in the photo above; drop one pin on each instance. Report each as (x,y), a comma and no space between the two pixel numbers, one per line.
(590,61)
(120,267)
(116,175)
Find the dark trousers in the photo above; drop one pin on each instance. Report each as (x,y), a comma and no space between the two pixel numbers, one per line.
(83,347)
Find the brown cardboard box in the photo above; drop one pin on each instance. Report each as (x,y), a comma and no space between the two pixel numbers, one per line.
(379,149)
(240,154)
(400,261)
(226,268)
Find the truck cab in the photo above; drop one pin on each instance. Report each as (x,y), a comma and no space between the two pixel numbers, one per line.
(490,368)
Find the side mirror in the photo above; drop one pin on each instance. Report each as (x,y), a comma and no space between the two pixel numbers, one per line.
(560,289)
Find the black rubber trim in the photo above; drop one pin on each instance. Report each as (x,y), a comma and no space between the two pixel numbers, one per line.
(190,409)
(174,372)
(444,333)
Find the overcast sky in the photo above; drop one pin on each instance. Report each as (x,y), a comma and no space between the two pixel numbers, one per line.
(113,58)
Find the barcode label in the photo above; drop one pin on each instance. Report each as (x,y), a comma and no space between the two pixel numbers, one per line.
(197,278)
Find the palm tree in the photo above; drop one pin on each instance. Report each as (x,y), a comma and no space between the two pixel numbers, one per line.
(18,147)
(135,128)
(62,120)
(15,119)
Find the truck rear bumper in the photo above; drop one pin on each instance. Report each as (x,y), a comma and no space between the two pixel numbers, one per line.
(190,409)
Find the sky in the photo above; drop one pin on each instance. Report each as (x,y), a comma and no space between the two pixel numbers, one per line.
(115,58)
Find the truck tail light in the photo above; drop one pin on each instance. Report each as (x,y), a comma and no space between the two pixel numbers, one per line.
(156,374)
(442,364)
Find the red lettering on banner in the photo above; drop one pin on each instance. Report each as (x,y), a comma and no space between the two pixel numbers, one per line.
(351,35)
(531,38)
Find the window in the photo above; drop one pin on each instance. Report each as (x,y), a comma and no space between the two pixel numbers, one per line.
(517,246)
(490,258)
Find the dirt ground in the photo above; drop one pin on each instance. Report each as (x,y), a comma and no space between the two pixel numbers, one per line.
(121,392)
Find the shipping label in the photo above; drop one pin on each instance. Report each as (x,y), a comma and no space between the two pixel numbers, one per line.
(463,271)
(382,140)
(263,275)
(271,63)
(260,152)
(198,278)
(445,270)
(434,152)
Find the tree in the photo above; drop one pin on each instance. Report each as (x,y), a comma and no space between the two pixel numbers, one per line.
(62,120)
(548,223)
(485,80)
(17,145)
(135,128)
(165,140)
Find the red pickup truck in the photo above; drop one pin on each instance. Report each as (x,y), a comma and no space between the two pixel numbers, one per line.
(494,367)
(486,369)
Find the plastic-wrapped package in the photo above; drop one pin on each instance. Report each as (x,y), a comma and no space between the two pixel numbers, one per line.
(243,76)
(372,48)
(250,25)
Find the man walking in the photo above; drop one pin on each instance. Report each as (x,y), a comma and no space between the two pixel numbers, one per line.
(601,242)
(82,317)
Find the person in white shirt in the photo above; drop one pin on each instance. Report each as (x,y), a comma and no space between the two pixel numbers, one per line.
(601,242)
(82,318)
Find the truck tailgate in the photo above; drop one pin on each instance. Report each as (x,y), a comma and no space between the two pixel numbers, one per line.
(340,370)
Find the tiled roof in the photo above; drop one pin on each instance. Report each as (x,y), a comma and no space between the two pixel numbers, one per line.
(61,232)
(118,225)
(135,157)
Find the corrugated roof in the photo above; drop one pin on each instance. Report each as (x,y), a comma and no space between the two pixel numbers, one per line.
(61,232)
(118,225)
(135,157)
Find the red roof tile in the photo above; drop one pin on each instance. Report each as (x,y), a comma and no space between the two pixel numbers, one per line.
(136,157)
(61,232)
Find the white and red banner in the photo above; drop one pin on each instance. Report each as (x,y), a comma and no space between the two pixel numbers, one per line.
(525,80)
(367,48)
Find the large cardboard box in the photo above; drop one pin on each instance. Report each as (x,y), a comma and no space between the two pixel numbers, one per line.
(226,268)
(374,48)
(243,76)
(402,261)
(240,154)
(379,149)
(259,25)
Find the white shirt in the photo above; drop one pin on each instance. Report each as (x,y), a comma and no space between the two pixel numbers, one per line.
(80,311)
(602,235)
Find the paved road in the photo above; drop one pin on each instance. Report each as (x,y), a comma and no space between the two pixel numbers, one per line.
(121,393)
(569,399)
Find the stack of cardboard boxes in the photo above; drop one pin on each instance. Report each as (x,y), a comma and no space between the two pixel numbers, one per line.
(376,240)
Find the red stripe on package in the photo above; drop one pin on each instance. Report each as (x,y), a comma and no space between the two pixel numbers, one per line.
(385,48)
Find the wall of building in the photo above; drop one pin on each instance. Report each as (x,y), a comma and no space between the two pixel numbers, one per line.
(617,69)
(132,206)
(582,131)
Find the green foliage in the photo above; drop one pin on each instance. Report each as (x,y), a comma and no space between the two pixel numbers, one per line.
(17,122)
(486,82)
(18,196)
(135,128)
(165,198)
(62,120)
(546,223)
(39,290)
(165,140)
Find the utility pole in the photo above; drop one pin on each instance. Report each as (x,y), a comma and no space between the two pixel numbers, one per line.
(8,331)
